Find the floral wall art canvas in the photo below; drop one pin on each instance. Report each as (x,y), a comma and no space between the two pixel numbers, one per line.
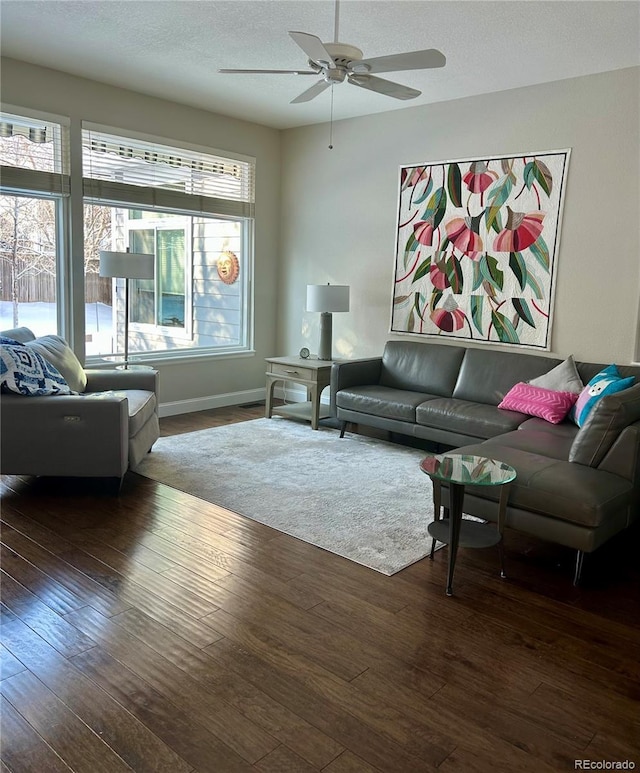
(476,248)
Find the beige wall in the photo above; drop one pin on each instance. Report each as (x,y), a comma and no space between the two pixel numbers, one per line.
(339,207)
(54,92)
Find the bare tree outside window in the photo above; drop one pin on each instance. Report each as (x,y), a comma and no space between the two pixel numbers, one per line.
(27,252)
(28,234)
(28,243)
(97,236)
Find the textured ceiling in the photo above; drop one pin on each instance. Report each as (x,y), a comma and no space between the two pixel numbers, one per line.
(173,48)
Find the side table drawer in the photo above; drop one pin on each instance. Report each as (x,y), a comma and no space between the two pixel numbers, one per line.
(290,371)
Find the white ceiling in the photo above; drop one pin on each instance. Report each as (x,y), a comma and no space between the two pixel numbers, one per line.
(173,48)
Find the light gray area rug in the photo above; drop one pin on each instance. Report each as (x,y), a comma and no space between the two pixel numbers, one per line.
(362,498)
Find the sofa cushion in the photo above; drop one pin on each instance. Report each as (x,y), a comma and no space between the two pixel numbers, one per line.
(25,372)
(533,400)
(467,418)
(558,489)
(141,405)
(58,352)
(606,382)
(562,378)
(389,403)
(564,429)
(588,370)
(428,368)
(486,376)
(604,423)
(536,440)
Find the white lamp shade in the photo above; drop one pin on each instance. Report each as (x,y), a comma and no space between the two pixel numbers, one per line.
(128,265)
(327,297)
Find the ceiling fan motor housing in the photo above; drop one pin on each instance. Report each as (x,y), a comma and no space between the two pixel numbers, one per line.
(337,75)
(342,53)
(344,57)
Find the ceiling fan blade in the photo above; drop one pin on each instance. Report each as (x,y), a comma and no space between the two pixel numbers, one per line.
(313,48)
(277,72)
(412,60)
(309,94)
(382,86)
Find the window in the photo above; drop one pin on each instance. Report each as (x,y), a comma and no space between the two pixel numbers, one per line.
(35,185)
(189,209)
(161,301)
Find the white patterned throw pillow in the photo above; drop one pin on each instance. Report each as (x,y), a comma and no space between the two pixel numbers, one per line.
(25,372)
(57,352)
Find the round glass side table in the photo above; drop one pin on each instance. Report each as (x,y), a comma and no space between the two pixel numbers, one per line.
(460,470)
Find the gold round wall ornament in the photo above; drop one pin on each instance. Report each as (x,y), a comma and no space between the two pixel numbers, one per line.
(228,267)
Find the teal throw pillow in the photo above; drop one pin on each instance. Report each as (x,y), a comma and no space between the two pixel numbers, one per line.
(607,382)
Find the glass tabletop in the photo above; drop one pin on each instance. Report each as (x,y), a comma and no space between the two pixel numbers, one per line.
(463,468)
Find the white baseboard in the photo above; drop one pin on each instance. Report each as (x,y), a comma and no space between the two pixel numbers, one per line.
(296,394)
(213,401)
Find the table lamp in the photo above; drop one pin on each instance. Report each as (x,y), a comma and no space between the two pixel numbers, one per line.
(327,299)
(127,265)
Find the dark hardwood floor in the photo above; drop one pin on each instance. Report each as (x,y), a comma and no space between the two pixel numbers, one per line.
(156,632)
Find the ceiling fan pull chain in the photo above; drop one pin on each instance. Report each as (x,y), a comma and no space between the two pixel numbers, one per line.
(331,123)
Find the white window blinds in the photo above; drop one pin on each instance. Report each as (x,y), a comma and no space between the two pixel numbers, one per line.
(126,170)
(34,155)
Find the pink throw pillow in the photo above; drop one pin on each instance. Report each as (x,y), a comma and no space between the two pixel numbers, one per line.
(535,401)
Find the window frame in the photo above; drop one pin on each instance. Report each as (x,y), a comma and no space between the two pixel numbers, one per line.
(50,185)
(59,202)
(247,333)
(173,203)
(66,189)
(164,224)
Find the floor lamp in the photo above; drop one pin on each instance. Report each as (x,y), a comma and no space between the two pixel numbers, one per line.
(127,265)
(327,299)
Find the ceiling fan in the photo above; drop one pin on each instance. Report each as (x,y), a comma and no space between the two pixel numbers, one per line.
(336,62)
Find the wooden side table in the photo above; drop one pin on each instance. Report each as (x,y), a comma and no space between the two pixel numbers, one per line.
(314,374)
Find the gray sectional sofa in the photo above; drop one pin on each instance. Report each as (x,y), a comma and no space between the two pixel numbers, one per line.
(575,486)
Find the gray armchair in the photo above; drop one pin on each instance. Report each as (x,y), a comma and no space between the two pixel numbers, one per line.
(101,432)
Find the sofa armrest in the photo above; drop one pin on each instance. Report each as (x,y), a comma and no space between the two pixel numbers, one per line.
(353,373)
(623,458)
(110,378)
(76,435)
